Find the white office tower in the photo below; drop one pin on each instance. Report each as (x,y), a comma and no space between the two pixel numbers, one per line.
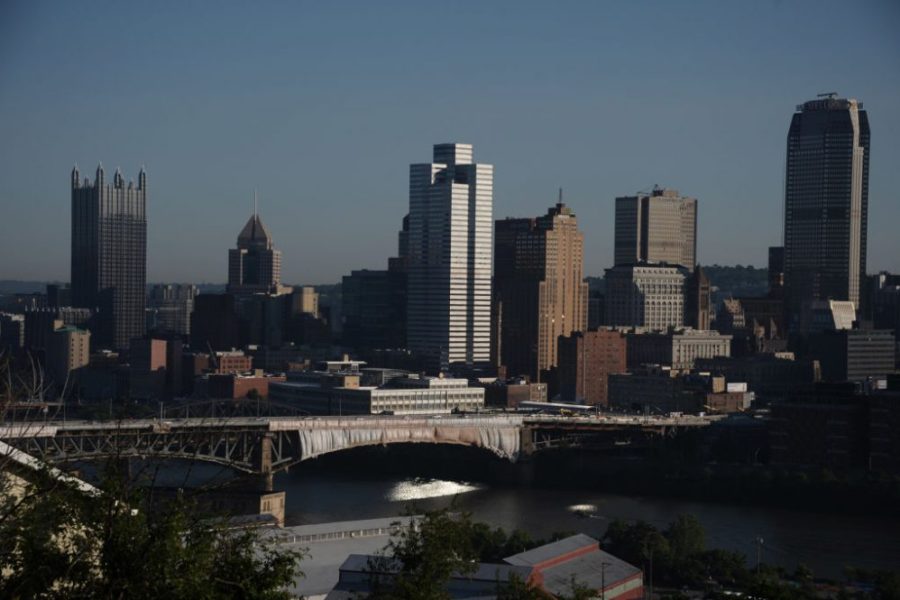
(450,258)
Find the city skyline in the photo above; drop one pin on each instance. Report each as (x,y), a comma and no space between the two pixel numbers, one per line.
(564,101)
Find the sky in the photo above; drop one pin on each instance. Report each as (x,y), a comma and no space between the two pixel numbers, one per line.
(321,106)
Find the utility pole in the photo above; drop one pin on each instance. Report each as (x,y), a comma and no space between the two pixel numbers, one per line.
(759,543)
(603,566)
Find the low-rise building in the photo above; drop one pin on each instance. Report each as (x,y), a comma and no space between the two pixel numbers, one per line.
(551,568)
(340,393)
(234,386)
(676,348)
(770,376)
(234,361)
(511,393)
(651,390)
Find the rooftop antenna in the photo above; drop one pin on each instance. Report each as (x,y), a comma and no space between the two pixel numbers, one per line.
(830,95)
(560,197)
(255,205)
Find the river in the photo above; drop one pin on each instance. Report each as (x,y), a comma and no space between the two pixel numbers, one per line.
(379,483)
(826,543)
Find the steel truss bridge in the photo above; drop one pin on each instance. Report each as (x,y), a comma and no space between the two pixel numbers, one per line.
(266,445)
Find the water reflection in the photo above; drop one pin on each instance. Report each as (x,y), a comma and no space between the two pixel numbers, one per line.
(826,544)
(420,489)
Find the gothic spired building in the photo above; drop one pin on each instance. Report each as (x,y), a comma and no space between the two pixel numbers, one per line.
(109,255)
(254,266)
(826,200)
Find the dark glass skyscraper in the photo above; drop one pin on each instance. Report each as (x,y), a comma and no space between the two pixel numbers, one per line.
(254,267)
(109,254)
(826,204)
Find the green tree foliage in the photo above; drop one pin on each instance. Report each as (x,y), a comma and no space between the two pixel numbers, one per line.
(424,557)
(686,536)
(419,561)
(59,542)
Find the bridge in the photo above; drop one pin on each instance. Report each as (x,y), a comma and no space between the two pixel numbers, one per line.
(266,445)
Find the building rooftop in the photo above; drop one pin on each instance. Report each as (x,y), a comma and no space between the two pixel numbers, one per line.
(579,557)
(255,233)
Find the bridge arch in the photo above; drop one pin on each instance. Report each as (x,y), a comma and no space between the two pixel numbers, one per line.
(504,442)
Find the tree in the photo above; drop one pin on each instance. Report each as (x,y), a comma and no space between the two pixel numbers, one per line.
(65,540)
(518,589)
(63,543)
(636,542)
(423,556)
(686,536)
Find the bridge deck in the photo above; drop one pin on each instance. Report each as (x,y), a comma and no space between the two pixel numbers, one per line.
(53,428)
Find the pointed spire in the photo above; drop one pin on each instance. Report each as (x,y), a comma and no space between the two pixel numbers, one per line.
(142,178)
(99,175)
(76,176)
(118,180)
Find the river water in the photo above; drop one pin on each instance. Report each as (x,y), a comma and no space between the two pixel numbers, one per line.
(826,543)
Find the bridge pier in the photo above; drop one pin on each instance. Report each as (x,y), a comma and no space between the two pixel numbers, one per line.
(264,463)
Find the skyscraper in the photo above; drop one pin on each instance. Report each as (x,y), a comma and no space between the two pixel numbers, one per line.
(826,199)
(657,228)
(450,218)
(109,254)
(539,289)
(254,266)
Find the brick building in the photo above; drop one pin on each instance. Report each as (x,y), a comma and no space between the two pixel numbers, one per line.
(586,359)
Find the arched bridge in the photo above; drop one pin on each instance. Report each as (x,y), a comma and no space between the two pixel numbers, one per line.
(266,445)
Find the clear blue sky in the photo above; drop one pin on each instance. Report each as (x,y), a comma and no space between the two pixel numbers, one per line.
(321,106)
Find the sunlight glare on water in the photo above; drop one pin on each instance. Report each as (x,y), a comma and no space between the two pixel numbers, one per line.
(419,489)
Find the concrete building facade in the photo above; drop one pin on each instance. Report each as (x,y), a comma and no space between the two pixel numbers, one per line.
(676,348)
(170,308)
(539,290)
(650,296)
(340,393)
(450,254)
(659,227)
(69,349)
